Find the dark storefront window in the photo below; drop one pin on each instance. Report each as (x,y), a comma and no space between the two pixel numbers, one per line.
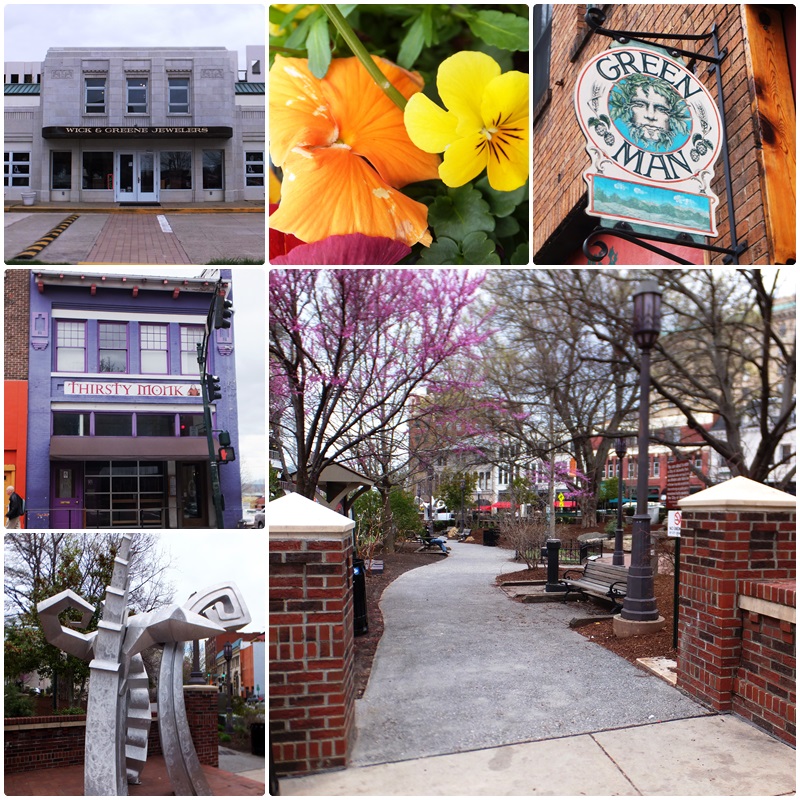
(61,170)
(193,425)
(254,168)
(155,424)
(70,423)
(98,171)
(125,494)
(212,169)
(542,27)
(176,169)
(113,424)
(113,345)
(17,167)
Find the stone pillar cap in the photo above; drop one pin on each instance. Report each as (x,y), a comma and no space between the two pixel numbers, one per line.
(294,513)
(739,494)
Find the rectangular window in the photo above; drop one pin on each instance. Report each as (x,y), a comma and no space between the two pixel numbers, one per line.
(193,425)
(95,95)
(254,168)
(113,424)
(153,342)
(176,169)
(178,95)
(98,171)
(137,96)
(542,31)
(61,170)
(17,169)
(70,346)
(69,423)
(113,347)
(191,336)
(29,78)
(212,169)
(657,467)
(155,424)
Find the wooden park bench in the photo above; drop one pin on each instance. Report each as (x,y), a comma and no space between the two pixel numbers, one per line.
(427,543)
(606,581)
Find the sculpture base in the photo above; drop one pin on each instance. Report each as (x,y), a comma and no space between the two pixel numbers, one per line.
(624,628)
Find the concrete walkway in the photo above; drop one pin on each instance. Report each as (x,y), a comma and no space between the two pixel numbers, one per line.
(471,693)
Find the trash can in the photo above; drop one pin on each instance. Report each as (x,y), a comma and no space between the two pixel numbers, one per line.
(490,537)
(257,731)
(360,626)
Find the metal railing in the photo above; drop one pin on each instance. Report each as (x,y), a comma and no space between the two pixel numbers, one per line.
(569,552)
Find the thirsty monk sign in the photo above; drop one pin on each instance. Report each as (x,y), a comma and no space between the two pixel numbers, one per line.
(653,133)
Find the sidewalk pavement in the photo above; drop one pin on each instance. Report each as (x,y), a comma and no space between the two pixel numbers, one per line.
(471,693)
(242,764)
(239,207)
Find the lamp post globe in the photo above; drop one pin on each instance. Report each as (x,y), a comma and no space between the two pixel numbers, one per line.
(640,602)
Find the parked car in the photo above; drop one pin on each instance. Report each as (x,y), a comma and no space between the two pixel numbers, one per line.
(248,518)
(258,520)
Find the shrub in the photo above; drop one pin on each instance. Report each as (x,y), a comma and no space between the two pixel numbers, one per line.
(224,737)
(526,536)
(15,703)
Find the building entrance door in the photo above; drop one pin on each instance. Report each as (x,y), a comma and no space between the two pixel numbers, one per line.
(192,494)
(67,510)
(135,179)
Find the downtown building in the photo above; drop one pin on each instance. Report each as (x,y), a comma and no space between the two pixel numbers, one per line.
(115,434)
(755,101)
(135,125)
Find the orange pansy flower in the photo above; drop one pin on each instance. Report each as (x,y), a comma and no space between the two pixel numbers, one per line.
(344,152)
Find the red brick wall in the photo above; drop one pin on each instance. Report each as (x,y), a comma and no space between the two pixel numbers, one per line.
(30,746)
(201,712)
(16,323)
(764,688)
(559,155)
(719,550)
(312,691)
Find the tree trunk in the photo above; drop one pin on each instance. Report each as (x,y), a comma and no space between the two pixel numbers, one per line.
(387,522)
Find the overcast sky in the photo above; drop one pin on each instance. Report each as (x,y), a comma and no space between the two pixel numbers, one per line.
(250,335)
(32,28)
(202,558)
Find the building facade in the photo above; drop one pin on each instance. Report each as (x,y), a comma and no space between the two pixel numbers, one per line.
(134,125)
(115,431)
(757,101)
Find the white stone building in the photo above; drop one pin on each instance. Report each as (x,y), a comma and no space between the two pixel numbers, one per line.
(135,125)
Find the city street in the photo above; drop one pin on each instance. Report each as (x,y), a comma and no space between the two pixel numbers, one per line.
(137,238)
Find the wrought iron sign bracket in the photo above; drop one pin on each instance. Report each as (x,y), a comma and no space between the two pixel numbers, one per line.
(595,17)
(623,230)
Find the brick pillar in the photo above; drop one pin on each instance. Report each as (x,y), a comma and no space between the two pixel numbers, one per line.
(312,690)
(736,531)
(201,714)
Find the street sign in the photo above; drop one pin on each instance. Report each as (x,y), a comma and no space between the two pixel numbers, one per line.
(561,499)
(678,474)
(653,132)
(674,524)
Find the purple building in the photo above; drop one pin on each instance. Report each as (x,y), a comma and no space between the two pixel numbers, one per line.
(116,435)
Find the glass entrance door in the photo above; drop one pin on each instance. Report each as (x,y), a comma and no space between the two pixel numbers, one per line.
(135,177)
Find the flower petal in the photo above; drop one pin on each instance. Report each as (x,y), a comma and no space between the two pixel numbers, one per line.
(330,191)
(354,248)
(298,112)
(505,98)
(372,124)
(461,81)
(430,127)
(463,160)
(508,166)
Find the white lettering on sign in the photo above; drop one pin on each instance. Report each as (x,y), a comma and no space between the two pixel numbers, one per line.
(674,520)
(653,133)
(124,389)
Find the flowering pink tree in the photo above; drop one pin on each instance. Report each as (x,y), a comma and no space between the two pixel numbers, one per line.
(349,347)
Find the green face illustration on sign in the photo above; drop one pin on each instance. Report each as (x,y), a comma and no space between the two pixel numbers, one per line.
(653,133)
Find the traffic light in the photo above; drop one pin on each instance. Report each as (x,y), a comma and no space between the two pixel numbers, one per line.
(224,438)
(226,454)
(213,388)
(223,311)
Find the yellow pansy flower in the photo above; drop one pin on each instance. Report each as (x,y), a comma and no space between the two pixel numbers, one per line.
(485,124)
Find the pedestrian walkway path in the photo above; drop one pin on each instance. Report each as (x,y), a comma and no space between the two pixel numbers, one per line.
(137,239)
(472,694)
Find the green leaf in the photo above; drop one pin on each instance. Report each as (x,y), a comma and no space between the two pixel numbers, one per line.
(412,43)
(505,227)
(297,38)
(442,251)
(478,248)
(501,203)
(507,31)
(521,255)
(460,213)
(319,47)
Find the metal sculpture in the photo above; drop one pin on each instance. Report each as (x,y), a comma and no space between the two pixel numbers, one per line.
(118,712)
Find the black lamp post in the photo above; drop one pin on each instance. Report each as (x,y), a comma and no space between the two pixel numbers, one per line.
(228,650)
(463,509)
(620,448)
(640,602)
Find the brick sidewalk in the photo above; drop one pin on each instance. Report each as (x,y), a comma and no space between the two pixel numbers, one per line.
(136,239)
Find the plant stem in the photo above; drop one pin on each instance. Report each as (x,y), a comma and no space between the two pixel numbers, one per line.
(360,52)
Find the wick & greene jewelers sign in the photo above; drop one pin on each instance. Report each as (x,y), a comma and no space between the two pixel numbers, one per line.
(653,133)
(62,132)
(125,389)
